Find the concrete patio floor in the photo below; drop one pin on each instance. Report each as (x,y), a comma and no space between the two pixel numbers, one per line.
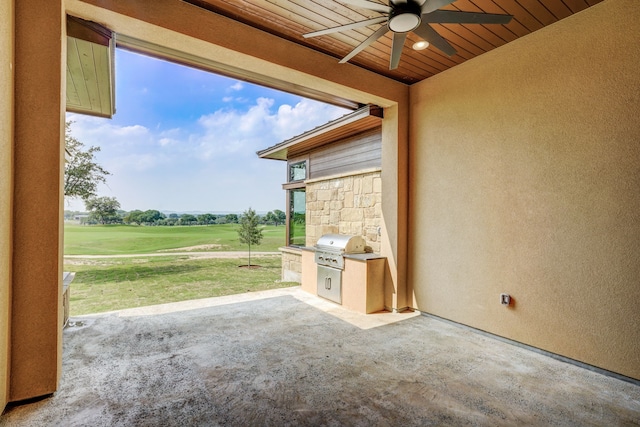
(284,357)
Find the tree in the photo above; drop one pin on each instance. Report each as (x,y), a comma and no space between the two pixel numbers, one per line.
(231,218)
(281,216)
(249,233)
(103,209)
(151,216)
(206,219)
(133,217)
(188,219)
(270,218)
(81,172)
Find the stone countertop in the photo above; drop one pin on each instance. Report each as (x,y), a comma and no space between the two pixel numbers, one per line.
(358,257)
(364,257)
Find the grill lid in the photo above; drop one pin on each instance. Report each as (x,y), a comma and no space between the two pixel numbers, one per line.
(341,243)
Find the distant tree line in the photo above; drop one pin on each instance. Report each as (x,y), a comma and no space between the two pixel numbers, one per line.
(106,210)
(82,175)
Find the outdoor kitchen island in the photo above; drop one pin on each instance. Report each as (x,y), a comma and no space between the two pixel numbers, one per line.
(362,287)
(334,188)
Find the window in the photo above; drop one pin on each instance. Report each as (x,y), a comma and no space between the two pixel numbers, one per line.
(298,171)
(297,202)
(297,217)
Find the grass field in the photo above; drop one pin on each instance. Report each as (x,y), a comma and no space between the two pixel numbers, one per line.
(115,283)
(106,284)
(131,239)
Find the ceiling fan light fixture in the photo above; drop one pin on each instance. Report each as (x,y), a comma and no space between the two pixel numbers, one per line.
(404,22)
(405,17)
(420,45)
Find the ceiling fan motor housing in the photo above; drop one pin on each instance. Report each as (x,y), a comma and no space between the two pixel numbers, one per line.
(404,17)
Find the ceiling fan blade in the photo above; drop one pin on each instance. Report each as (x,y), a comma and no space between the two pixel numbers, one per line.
(457,17)
(431,5)
(396,49)
(373,37)
(358,24)
(366,4)
(425,31)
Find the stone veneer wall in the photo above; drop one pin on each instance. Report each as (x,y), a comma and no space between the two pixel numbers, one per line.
(348,204)
(291,265)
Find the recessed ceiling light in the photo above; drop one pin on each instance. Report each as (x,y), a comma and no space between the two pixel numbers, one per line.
(421,45)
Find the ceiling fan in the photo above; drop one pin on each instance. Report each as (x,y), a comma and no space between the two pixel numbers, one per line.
(404,16)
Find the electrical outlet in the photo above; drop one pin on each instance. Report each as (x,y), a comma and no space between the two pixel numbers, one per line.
(505,299)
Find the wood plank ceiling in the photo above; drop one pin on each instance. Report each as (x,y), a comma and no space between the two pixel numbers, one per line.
(290,19)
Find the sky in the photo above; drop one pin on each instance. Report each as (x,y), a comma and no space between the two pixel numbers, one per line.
(185,140)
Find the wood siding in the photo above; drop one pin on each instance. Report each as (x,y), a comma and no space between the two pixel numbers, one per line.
(89,78)
(356,153)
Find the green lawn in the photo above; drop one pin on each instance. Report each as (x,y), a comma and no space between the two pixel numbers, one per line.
(131,239)
(105,284)
(112,284)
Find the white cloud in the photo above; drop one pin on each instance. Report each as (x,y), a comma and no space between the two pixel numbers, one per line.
(305,115)
(102,132)
(237,86)
(212,166)
(232,131)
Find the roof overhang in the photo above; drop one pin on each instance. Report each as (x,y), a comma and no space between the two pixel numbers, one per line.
(90,68)
(361,120)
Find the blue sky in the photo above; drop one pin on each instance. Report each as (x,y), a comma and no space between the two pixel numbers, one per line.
(185,140)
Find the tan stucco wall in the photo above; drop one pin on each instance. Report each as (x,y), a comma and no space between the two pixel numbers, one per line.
(363,285)
(395,204)
(6,188)
(36,315)
(525,179)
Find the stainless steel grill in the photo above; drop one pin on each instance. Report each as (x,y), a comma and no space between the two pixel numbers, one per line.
(329,256)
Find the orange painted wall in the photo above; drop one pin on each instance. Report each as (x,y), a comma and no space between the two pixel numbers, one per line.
(36,330)
(6,190)
(525,179)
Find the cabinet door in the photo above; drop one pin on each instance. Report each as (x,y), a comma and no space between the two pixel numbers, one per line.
(329,283)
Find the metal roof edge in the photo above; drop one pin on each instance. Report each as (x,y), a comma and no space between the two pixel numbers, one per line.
(279,151)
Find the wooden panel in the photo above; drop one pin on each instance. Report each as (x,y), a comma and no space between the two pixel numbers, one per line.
(72,93)
(89,78)
(87,61)
(334,135)
(292,18)
(576,5)
(77,81)
(364,119)
(538,10)
(102,63)
(356,153)
(369,158)
(558,8)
